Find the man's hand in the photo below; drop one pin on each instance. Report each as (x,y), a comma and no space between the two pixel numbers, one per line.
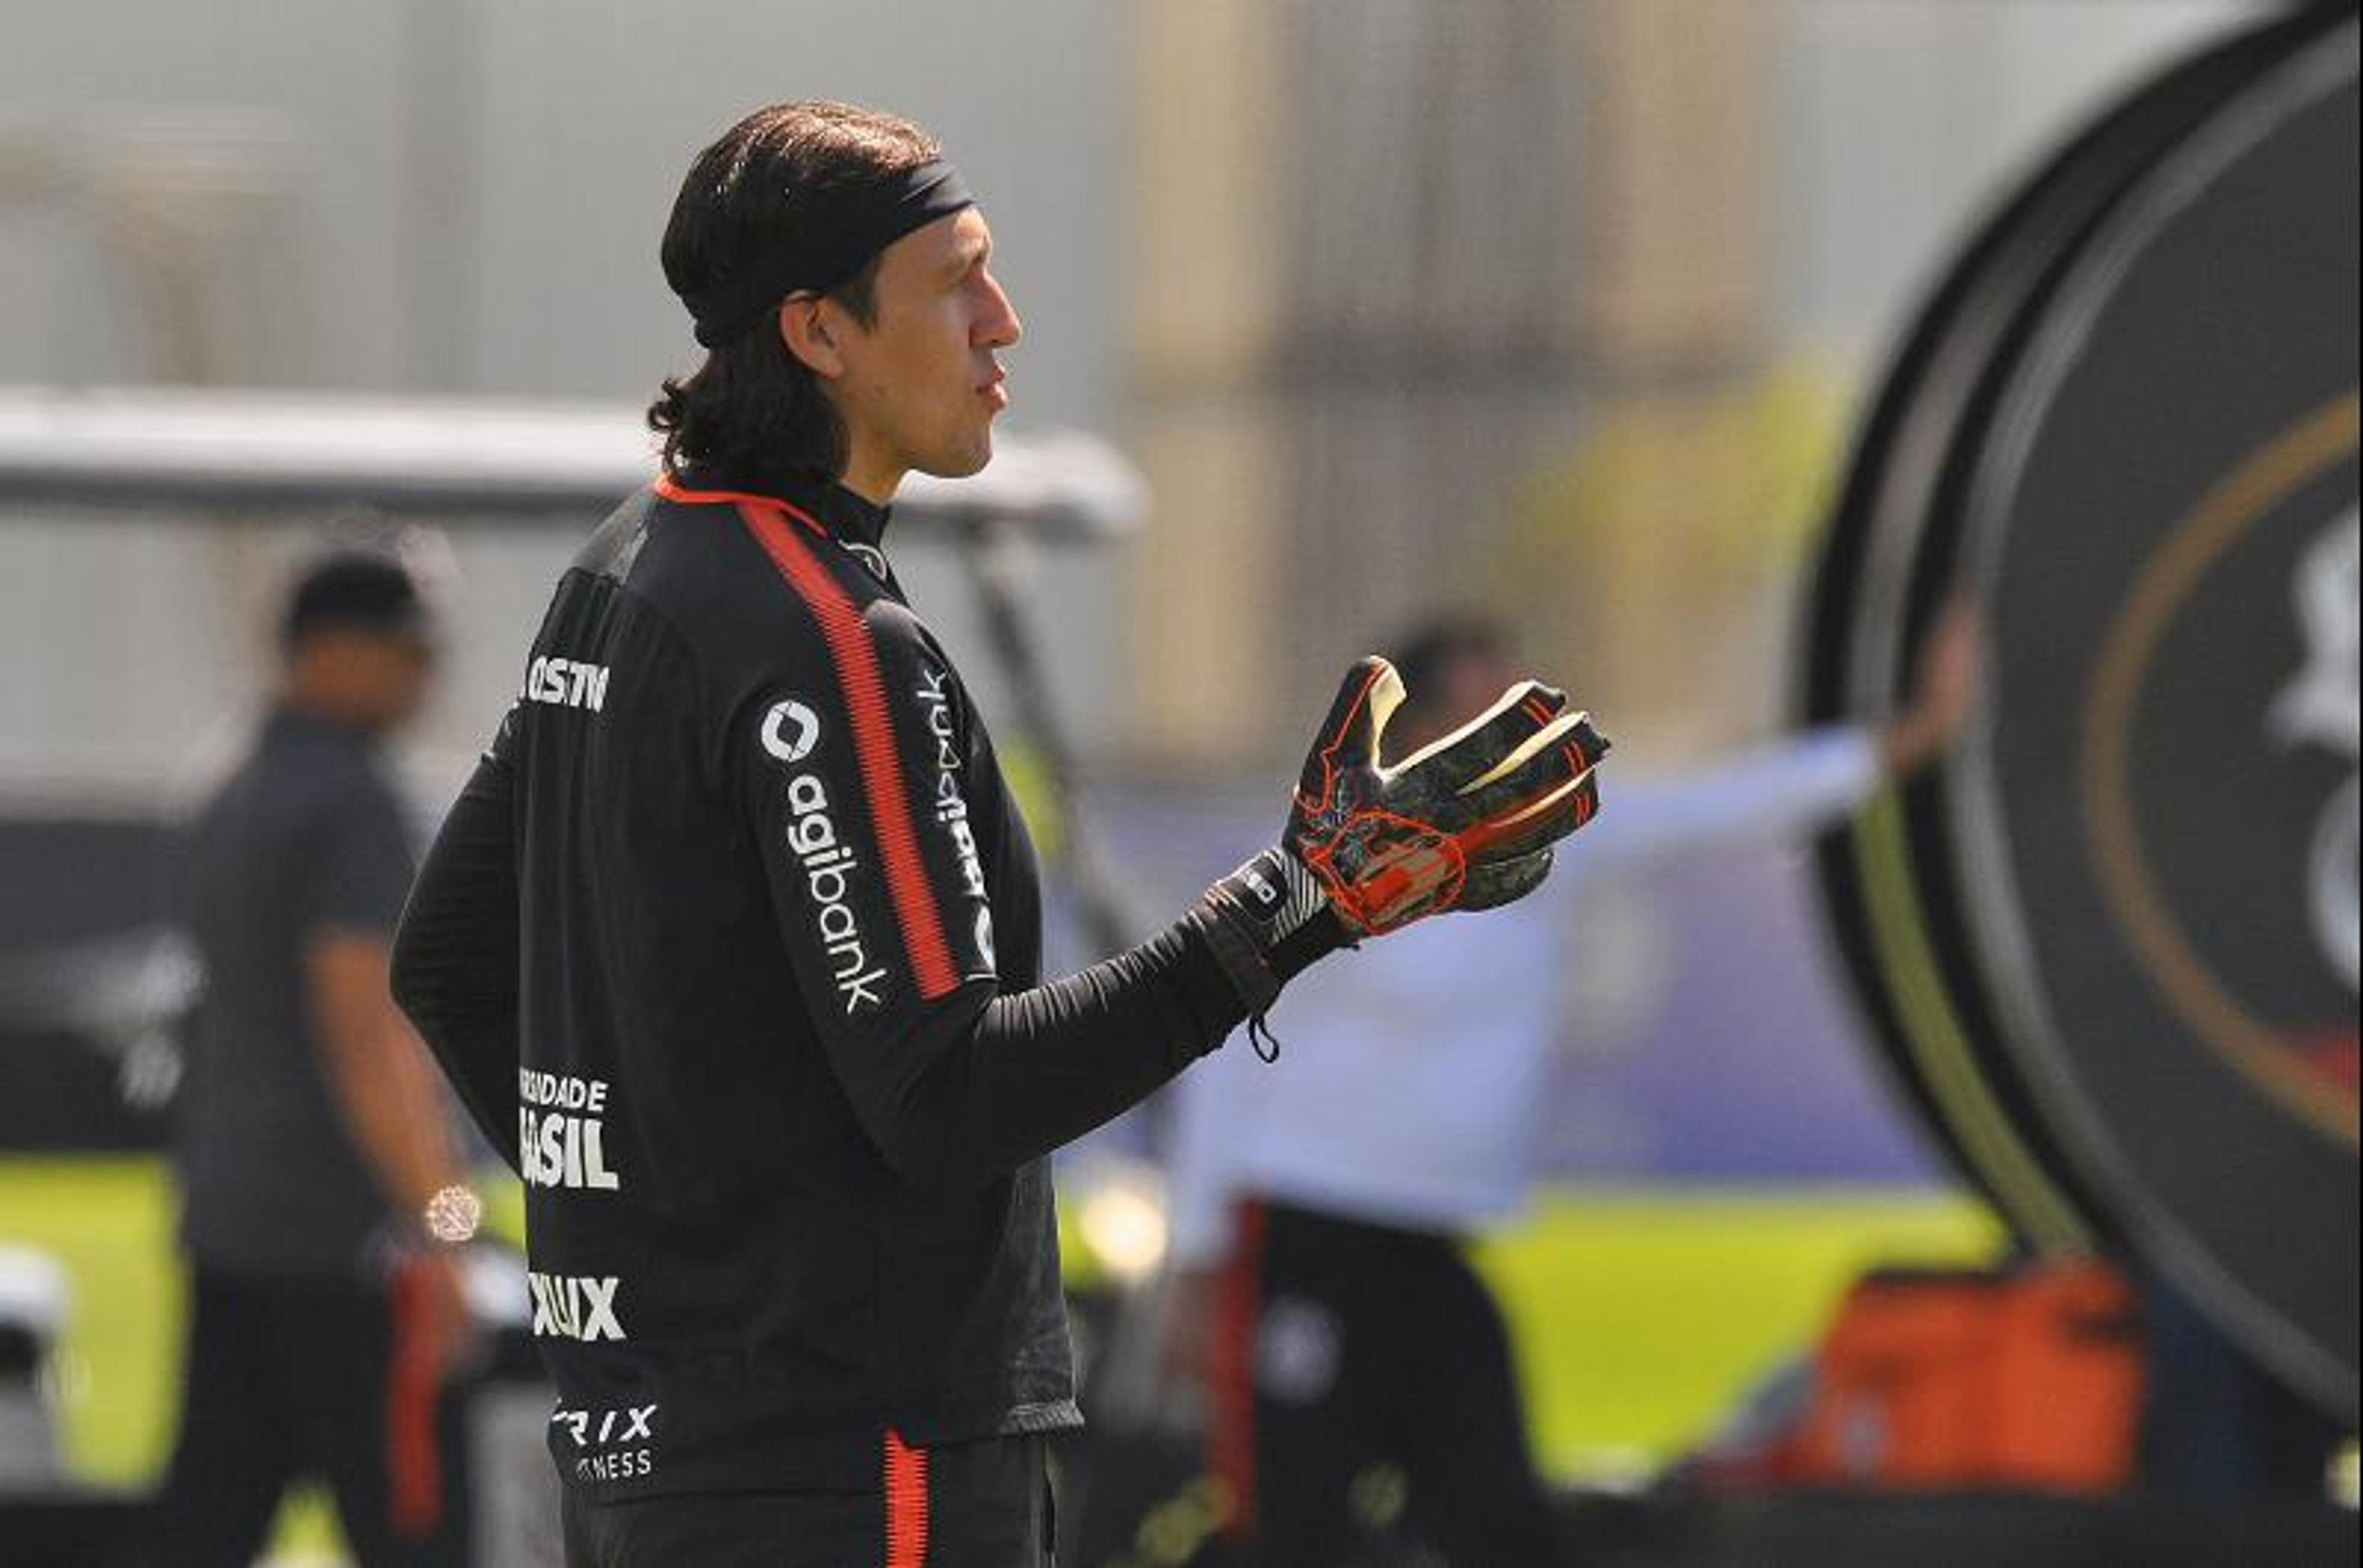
(1465,822)
(1944,689)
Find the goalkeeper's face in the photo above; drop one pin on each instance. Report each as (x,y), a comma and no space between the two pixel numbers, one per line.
(922,380)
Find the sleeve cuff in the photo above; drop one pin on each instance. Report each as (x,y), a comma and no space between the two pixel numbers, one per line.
(1264,923)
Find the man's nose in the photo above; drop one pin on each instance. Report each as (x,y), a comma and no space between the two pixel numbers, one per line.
(999,326)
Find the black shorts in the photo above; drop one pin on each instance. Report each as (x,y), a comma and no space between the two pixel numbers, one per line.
(287,1378)
(1345,1344)
(977,1504)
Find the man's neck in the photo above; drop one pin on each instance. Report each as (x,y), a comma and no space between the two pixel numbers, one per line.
(874,482)
(313,701)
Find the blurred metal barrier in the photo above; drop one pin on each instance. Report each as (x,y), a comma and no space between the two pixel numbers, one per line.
(2110,945)
(563,463)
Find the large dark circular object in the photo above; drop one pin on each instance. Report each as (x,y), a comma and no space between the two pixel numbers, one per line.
(1881,569)
(2128,331)
(2156,832)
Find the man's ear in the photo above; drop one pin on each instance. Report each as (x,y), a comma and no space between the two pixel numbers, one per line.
(804,327)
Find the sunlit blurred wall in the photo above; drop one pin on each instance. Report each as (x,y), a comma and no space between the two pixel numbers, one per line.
(1555,303)
(1556,306)
(449,195)
(467,195)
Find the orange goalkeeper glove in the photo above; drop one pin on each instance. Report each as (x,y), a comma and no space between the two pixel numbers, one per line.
(1466,822)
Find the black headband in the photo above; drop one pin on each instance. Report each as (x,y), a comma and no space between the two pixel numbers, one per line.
(831,235)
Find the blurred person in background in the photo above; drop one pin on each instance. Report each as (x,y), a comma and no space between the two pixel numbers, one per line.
(1320,1210)
(737,923)
(311,1141)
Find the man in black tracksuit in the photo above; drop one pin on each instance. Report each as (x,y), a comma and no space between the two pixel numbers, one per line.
(310,1140)
(737,930)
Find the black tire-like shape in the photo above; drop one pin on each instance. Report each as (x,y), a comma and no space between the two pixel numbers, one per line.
(1913,445)
(2119,854)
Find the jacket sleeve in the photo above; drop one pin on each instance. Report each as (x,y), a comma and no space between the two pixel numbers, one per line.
(1772,794)
(854,788)
(455,952)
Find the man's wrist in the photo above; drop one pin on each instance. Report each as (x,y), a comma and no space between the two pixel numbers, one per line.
(1264,922)
(451,1216)
(1275,894)
(1907,743)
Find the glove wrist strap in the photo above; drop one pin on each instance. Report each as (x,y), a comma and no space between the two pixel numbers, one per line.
(1264,922)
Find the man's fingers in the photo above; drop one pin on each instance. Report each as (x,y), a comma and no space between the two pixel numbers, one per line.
(1532,823)
(1495,883)
(1947,685)
(1563,749)
(1589,740)
(1478,750)
(1349,736)
(1572,733)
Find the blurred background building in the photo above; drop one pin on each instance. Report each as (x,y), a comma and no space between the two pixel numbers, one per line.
(1559,306)
(1555,302)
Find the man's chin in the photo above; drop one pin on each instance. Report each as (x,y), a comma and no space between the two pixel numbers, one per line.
(959,464)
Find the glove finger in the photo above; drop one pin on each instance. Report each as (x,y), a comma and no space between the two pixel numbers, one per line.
(1451,763)
(1566,748)
(1349,737)
(1573,732)
(1496,882)
(1537,823)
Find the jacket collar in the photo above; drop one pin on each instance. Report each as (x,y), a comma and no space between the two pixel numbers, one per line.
(849,519)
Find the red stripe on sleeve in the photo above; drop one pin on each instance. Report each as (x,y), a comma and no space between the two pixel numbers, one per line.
(906,1503)
(864,688)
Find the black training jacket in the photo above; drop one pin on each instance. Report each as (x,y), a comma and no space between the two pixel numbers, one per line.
(732,943)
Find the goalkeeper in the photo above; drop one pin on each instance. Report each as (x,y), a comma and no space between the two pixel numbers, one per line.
(734,935)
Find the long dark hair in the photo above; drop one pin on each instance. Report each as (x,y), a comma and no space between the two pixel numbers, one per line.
(752,409)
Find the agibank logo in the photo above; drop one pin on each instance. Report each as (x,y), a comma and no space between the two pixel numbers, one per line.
(789,732)
(829,869)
